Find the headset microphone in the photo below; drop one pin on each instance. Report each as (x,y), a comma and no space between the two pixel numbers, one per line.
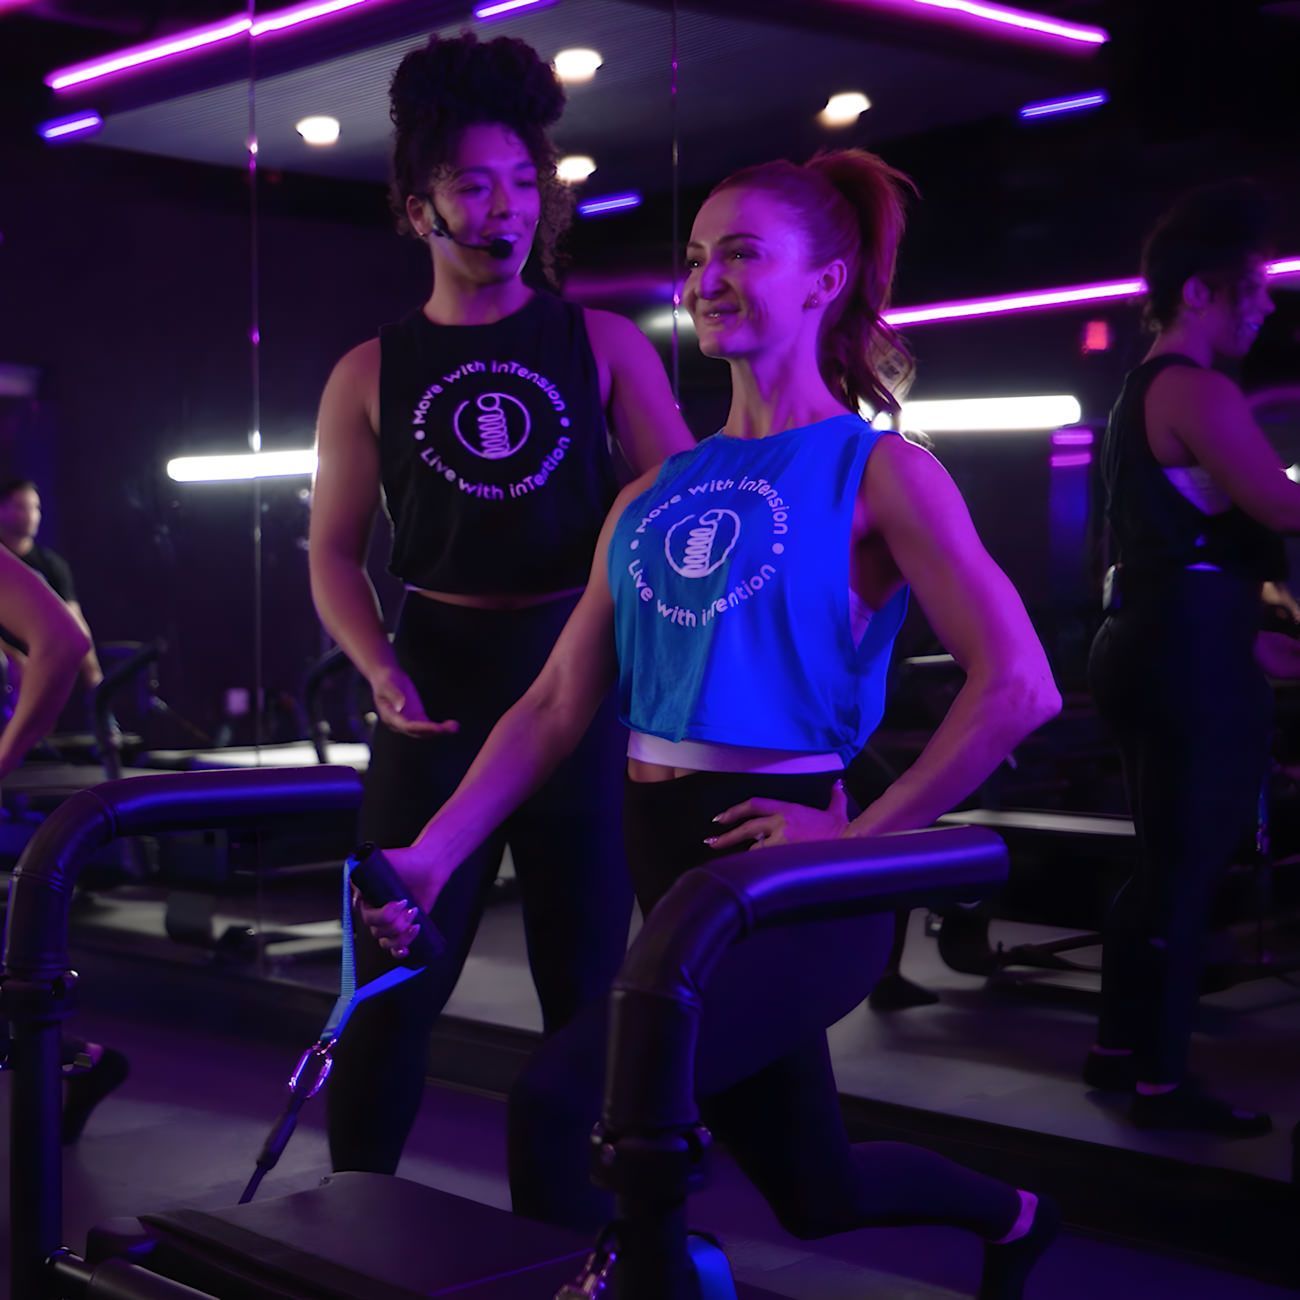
(497,247)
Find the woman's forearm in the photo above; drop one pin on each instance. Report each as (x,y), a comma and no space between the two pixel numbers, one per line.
(47,681)
(348,607)
(983,726)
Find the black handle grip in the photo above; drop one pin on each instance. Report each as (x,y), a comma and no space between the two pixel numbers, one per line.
(378,884)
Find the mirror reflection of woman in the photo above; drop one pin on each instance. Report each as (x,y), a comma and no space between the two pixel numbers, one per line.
(1197,500)
(746,598)
(492,421)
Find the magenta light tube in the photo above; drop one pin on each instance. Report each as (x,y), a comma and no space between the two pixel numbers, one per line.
(61,128)
(500,8)
(306,13)
(1072,438)
(988,16)
(196,38)
(1071,460)
(1040,299)
(974,14)
(1034,300)
(1055,107)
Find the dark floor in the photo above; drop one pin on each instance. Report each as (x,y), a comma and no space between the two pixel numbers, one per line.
(1005,1053)
(185,1127)
(204,1088)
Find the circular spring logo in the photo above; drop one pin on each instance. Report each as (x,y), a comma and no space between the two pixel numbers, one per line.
(493,425)
(702,548)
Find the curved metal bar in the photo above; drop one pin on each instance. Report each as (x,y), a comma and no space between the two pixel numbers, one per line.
(658,995)
(36,986)
(36,932)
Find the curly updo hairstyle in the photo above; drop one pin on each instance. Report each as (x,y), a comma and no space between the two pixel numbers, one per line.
(461,81)
(1213,233)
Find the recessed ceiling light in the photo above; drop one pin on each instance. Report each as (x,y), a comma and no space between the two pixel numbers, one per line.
(844,109)
(575,168)
(577,65)
(318,131)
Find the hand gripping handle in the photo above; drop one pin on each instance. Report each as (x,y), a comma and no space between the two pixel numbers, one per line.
(378,884)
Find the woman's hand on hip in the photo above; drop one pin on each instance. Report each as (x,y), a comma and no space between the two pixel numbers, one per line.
(762,822)
(400,708)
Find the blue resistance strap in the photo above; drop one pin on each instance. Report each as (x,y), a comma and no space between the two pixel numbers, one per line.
(350,997)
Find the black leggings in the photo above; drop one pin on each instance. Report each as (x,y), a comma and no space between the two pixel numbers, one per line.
(764,1073)
(472,665)
(1174,675)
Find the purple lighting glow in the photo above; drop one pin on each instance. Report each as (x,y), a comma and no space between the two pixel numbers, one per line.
(61,128)
(307,13)
(196,38)
(1039,299)
(1016,302)
(1054,107)
(1072,438)
(500,8)
(608,203)
(1071,460)
(974,13)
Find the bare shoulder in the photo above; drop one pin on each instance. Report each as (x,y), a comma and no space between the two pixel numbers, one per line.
(358,366)
(352,390)
(897,465)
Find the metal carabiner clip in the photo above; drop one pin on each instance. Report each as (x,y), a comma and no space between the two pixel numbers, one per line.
(321,1054)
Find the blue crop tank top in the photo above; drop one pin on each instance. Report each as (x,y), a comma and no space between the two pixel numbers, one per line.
(730,580)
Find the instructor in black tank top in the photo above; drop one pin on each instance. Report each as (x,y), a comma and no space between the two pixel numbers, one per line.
(1196,501)
(481,417)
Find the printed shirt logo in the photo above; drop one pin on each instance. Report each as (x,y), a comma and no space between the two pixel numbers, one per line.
(514,429)
(698,543)
(707,545)
(497,427)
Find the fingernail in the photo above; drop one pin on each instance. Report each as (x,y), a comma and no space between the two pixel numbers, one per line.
(411,911)
(710,840)
(719,817)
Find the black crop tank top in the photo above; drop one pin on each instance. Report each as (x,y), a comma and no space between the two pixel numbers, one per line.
(495,463)
(1155,527)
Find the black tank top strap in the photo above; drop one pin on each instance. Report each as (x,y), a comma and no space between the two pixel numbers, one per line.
(496,465)
(1155,527)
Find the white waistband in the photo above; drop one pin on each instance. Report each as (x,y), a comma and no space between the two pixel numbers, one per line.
(704,756)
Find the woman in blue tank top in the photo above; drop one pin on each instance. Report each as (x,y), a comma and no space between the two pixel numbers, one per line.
(745,597)
(480,421)
(1196,500)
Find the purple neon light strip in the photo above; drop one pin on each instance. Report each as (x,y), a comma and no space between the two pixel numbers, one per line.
(1038,300)
(1072,438)
(1033,301)
(610,203)
(992,15)
(60,128)
(196,38)
(1054,107)
(307,13)
(1071,460)
(500,8)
